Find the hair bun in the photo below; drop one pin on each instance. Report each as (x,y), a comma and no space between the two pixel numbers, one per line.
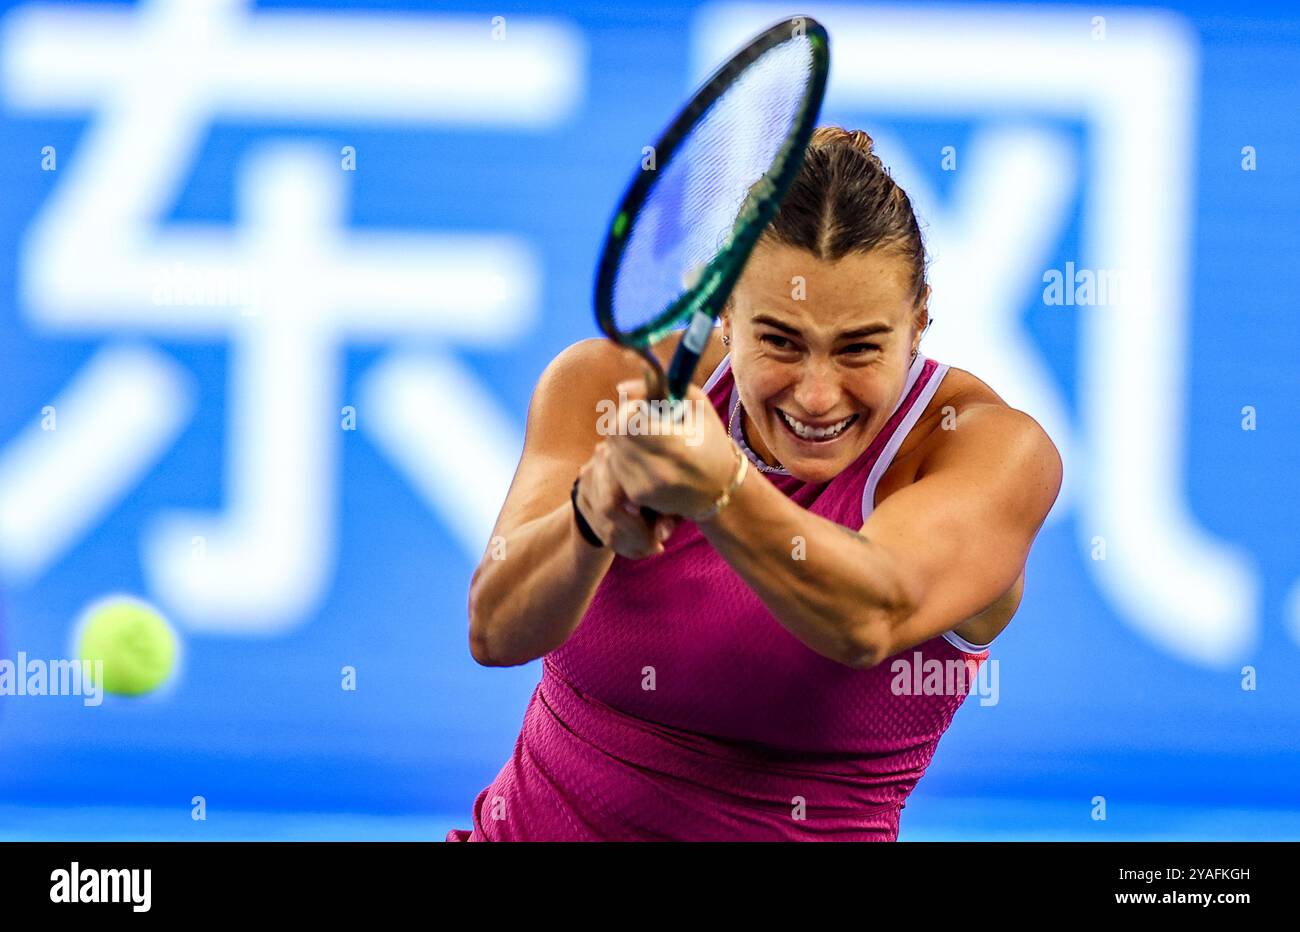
(839,136)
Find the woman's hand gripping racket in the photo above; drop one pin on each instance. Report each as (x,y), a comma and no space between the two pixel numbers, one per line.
(686,226)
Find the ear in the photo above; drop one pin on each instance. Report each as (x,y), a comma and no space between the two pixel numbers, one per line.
(921,320)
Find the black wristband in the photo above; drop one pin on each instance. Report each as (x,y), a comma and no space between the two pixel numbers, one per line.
(583,527)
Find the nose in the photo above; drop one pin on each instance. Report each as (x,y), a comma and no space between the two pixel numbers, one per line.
(818,391)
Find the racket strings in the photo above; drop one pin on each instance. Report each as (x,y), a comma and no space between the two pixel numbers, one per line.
(712,182)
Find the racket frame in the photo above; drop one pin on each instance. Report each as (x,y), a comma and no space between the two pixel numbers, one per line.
(702,302)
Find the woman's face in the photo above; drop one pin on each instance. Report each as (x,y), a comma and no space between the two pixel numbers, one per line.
(826,345)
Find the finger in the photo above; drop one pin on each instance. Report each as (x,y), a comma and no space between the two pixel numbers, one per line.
(630,537)
(629,470)
(636,548)
(615,518)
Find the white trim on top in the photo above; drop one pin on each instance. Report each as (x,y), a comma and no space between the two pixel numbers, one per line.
(891,448)
(718,373)
(963,645)
(900,433)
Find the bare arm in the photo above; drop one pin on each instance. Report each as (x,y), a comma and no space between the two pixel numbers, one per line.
(931,556)
(538,576)
(823,583)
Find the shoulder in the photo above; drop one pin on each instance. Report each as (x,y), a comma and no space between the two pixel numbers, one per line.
(595,358)
(589,370)
(967,424)
(586,371)
(965,400)
(577,380)
(592,355)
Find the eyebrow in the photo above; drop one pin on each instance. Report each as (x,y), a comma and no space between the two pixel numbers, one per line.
(869,330)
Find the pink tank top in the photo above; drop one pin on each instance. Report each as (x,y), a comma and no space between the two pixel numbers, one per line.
(681,709)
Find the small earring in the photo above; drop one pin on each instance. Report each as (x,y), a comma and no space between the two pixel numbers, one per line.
(726,340)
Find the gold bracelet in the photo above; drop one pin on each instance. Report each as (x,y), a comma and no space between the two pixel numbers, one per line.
(742,467)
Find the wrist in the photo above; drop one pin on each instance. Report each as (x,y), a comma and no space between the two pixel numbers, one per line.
(584,528)
(736,478)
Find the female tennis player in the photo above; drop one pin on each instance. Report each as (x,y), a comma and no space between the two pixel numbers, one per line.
(849,517)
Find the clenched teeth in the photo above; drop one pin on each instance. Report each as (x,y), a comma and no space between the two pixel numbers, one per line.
(817,433)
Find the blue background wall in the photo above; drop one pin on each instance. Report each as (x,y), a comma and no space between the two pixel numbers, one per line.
(1091,702)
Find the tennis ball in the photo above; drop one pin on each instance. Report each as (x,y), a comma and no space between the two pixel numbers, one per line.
(137,646)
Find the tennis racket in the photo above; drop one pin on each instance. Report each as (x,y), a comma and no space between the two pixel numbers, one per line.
(712,183)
